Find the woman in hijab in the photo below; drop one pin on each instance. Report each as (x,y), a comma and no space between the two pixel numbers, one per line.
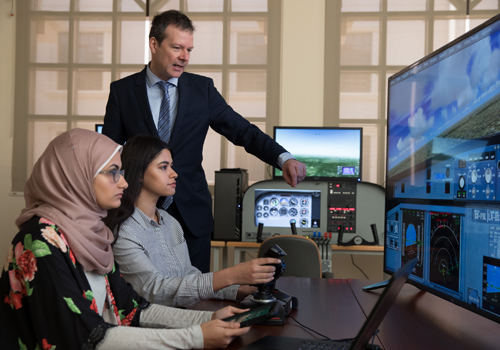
(59,285)
(150,246)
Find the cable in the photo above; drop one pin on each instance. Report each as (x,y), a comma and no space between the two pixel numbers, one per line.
(359,268)
(374,346)
(371,346)
(324,336)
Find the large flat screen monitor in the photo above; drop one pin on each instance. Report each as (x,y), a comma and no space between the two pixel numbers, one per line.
(328,153)
(442,197)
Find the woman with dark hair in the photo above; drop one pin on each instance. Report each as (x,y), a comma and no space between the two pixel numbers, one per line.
(150,245)
(60,287)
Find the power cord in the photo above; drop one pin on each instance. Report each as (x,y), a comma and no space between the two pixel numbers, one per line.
(371,346)
(321,335)
(359,268)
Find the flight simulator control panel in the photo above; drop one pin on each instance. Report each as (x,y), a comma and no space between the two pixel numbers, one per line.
(457,240)
(317,209)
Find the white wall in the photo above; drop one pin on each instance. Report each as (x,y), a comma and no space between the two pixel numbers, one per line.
(301,84)
(10,206)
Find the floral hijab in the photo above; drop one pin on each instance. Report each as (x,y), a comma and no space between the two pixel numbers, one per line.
(61,190)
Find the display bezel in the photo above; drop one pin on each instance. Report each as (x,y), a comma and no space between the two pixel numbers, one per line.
(390,181)
(311,177)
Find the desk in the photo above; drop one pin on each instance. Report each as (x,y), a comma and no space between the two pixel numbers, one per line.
(358,249)
(337,308)
(420,320)
(217,248)
(234,250)
(320,311)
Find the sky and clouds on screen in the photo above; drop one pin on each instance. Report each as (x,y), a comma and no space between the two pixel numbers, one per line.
(429,102)
(338,143)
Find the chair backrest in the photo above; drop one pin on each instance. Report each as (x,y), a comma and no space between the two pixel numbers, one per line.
(302,259)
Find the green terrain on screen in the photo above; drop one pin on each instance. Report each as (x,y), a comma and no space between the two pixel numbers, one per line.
(325,167)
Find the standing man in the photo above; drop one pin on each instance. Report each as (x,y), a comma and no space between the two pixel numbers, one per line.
(164,101)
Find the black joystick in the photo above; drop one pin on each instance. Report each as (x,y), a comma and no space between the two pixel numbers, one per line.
(268,293)
(263,294)
(259,232)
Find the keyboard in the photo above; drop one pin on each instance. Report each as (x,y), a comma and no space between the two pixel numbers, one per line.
(313,345)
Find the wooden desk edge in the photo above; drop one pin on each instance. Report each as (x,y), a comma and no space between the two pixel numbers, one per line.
(243,244)
(367,248)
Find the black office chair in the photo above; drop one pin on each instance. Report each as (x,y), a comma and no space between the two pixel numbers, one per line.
(302,255)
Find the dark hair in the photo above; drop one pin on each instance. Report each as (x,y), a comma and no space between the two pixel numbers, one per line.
(136,156)
(171,17)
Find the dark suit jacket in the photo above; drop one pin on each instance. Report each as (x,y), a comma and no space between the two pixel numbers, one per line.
(200,106)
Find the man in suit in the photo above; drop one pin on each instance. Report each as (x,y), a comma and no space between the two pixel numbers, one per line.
(183,108)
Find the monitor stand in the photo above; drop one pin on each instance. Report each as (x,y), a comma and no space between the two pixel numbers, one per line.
(376,285)
(383,283)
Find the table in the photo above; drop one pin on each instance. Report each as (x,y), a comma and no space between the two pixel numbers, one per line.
(358,249)
(217,249)
(332,310)
(337,308)
(234,250)
(421,320)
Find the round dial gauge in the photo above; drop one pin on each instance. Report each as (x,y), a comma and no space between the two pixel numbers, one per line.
(473,176)
(488,175)
(461,182)
(293,202)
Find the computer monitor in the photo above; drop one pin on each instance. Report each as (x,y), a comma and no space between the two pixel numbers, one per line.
(98,128)
(442,197)
(329,153)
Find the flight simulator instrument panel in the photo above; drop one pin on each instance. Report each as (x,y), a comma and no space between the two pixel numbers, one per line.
(464,217)
(317,208)
(280,208)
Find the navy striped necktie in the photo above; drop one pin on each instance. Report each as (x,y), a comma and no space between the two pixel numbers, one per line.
(164,121)
(165,125)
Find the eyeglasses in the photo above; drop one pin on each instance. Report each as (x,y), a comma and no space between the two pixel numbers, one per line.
(115,172)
